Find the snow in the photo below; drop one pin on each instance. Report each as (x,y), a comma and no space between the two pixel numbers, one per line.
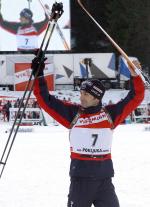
(37,171)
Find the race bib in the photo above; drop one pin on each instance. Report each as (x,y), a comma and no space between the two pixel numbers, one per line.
(26,42)
(91,141)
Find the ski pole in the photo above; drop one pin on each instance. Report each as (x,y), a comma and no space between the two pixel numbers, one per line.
(62,37)
(22,100)
(57,10)
(137,70)
(46,10)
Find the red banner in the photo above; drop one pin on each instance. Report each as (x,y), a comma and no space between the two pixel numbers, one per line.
(23,71)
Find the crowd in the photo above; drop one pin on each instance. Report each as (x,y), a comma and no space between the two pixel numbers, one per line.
(5,106)
(140,115)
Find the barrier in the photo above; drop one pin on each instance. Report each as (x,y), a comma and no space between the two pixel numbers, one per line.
(141,114)
(32,116)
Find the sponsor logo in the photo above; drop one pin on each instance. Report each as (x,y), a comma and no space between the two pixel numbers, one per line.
(24,130)
(93,119)
(26,30)
(98,89)
(94,150)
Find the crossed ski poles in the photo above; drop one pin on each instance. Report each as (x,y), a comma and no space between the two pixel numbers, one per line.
(47,12)
(57,10)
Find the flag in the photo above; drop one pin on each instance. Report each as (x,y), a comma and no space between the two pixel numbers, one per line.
(123,67)
(83,71)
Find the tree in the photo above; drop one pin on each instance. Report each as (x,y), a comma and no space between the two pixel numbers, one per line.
(126,21)
(84,31)
(129,25)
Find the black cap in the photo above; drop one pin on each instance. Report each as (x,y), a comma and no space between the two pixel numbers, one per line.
(27,13)
(94,87)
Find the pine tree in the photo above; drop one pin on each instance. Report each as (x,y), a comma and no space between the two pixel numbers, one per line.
(84,31)
(129,25)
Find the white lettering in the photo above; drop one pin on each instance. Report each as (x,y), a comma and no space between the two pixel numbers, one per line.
(93,119)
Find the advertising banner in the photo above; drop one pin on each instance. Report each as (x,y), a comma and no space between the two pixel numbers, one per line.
(23,71)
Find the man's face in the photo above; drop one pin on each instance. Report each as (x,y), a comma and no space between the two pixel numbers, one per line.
(24,20)
(87,99)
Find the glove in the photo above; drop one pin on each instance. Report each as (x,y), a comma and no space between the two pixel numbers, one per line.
(38,62)
(135,71)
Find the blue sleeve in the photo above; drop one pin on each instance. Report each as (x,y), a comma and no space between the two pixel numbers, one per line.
(61,111)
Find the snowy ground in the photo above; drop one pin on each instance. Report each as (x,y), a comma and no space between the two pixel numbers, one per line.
(37,170)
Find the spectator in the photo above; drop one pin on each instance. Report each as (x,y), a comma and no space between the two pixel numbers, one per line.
(6,111)
(137,112)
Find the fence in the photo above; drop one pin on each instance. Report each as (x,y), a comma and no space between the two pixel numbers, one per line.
(31,116)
